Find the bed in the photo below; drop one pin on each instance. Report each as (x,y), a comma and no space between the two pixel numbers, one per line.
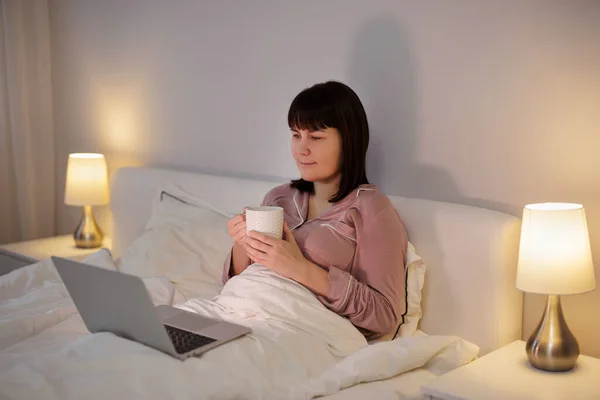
(467,306)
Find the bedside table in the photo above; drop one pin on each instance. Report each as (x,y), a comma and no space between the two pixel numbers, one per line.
(61,246)
(507,374)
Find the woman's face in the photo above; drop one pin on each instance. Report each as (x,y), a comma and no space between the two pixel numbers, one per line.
(317,154)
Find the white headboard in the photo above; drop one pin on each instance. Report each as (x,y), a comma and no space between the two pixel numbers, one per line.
(470,252)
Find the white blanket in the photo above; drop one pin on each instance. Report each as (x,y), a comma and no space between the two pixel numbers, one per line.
(297,349)
(34,298)
(438,354)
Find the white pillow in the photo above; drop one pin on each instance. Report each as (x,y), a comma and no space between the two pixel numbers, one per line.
(415,278)
(185,241)
(159,288)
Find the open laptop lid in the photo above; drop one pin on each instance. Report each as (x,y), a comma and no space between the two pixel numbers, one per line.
(111,301)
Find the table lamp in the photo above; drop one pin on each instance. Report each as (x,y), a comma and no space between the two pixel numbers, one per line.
(87,186)
(554,259)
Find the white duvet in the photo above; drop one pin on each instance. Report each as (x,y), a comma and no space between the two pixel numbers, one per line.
(297,348)
(33,298)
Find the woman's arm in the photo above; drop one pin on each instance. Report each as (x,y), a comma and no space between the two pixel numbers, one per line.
(235,263)
(239,259)
(373,296)
(313,277)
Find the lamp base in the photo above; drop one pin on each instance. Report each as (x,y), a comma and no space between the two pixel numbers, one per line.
(88,234)
(552,346)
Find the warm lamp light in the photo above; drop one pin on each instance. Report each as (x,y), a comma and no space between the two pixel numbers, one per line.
(554,259)
(87,186)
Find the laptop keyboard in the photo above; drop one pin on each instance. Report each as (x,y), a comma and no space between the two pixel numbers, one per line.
(185,341)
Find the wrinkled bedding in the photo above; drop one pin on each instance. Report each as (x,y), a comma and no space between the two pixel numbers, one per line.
(297,349)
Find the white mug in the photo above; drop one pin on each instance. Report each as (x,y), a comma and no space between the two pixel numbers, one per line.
(265,219)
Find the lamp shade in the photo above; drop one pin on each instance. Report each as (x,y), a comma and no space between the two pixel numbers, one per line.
(554,254)
(87,180)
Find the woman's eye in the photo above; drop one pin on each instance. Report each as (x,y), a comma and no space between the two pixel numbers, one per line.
(296,136)
(316,138)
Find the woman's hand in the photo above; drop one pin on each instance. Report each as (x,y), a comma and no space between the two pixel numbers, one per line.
(280,255)
(285,257)
(236,228)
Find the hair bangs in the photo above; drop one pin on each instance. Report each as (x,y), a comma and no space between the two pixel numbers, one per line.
(311,111)
(334,105)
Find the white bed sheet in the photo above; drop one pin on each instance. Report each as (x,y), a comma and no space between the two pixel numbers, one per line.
(290,349)
(64,336)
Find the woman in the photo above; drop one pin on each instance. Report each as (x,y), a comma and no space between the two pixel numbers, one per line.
(343,239)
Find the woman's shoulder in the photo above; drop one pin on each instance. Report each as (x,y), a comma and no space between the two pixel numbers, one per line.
(371,200)
(374,205)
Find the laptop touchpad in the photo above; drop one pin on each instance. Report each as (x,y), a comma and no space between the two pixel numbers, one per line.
(189,322)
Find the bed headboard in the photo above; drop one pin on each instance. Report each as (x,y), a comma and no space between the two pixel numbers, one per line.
(470,252)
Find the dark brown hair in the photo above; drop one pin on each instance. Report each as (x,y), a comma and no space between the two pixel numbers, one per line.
(334,105)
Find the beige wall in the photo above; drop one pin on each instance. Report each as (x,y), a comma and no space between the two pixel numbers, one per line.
(494,104)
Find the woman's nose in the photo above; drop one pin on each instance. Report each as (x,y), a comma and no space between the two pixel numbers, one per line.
(303,148)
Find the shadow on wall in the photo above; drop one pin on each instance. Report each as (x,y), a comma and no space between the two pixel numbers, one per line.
(382,71)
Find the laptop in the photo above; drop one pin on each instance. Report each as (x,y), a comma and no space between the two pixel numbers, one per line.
(111,301)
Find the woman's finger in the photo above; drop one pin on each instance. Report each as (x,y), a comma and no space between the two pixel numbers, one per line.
(255,254)
(240,225)
(271,241)
(237,219)
(240,222)
(233,224)
(257,244)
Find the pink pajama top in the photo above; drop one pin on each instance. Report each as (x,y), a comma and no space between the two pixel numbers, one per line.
(362,243)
